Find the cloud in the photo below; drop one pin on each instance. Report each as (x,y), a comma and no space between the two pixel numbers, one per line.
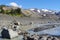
(15,4)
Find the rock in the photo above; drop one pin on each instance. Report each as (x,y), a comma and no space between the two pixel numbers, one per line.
(13,33)
(5,34)
(8,33)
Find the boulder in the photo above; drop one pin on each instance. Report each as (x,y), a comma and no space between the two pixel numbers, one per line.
(8,33)
(5,34)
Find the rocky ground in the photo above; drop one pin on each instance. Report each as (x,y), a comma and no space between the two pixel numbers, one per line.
(40,37)
(26,23)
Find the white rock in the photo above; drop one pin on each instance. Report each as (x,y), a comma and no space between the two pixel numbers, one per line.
(12,33)
(44,15)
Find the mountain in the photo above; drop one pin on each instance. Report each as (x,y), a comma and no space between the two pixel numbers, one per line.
(33,12)
(43,11)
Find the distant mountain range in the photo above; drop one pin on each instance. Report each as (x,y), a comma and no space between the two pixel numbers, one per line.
(33,12)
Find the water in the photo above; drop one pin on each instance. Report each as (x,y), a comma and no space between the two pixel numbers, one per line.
(53,31)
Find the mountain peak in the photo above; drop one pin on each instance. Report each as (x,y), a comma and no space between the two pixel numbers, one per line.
(46,10)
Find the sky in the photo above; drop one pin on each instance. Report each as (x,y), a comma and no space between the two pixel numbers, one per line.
(40,4)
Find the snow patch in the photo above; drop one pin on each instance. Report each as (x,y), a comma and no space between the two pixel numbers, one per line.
(39,11)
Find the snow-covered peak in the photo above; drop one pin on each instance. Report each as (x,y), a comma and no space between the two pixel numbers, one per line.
(42,11)
(36,10)
(45,10)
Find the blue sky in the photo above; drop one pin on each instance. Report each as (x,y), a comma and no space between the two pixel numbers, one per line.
(41,4)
